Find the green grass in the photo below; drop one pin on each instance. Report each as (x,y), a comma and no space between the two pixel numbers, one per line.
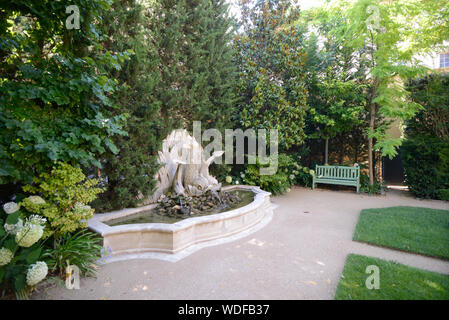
(396,282)
(419,230)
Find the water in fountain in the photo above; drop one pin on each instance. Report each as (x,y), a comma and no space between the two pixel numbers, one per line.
(167,212)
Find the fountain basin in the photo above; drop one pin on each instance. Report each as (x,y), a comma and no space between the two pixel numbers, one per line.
(173,238)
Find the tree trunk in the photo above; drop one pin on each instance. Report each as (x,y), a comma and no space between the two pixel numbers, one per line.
(356,150)
(371,129)
(370,145)
(326,151)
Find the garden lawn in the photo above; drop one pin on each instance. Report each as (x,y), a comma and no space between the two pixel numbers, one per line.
(419,230)
(396,281)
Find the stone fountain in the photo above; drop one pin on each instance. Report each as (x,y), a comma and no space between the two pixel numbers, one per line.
(184,185)
(184,169)
(189,209)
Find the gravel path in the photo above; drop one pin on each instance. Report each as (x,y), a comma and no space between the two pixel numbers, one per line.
(299,255)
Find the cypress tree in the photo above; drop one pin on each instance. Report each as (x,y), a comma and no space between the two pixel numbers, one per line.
(193,44)
(181,72)
(128,175)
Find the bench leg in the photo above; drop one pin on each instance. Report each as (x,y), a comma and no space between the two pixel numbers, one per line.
(358,189)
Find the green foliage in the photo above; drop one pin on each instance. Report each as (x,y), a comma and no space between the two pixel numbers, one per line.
(270,62)
(181,72)
(300,174)
(128,173)
(289,172)
(275,183)
(338,110)
(81,249)
(337,87)
(221,171)
(387,30)
(432,92)
(191,42)
(444,194)
(337,107)
(55,94)
(426,163)
(376,188)
(67,194)
(426,149)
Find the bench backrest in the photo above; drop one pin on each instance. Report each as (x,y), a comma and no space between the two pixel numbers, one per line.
(337,172)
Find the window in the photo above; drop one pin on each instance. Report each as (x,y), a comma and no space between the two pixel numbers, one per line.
(444,60)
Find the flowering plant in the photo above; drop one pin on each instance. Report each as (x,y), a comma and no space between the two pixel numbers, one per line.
(67,193)
(20,248)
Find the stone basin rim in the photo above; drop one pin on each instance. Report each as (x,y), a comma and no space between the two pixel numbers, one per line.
(97,224)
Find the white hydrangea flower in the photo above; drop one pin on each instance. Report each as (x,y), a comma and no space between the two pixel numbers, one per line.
(29,234)
(36,220)
(312,172)
(5,256)
(10,207)
(13,228)
(236,182)
(288,190)
(36,273)
(228,179)
(292,177)
(82,210)
(36,200)
(82,207)
(242,175)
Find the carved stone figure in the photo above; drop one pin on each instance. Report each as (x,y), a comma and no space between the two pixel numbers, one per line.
(184,171)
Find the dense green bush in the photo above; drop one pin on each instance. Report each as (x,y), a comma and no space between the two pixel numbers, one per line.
(270,60)
(55,95)
(426,150)
(444,194)
(426,166)
(289,173)
(128,174)
(377,188)
(67,194)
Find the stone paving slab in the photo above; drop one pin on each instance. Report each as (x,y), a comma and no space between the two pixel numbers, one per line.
(300,254)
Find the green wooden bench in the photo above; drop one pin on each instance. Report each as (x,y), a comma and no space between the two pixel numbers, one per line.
(346,176)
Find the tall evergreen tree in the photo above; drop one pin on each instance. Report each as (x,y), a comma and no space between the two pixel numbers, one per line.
(128,175)
(271,62)
(193,47)
(181,72)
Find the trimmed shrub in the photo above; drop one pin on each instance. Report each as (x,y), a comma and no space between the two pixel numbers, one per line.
(444,194)
(289,173)
(426,150)
(426,166)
